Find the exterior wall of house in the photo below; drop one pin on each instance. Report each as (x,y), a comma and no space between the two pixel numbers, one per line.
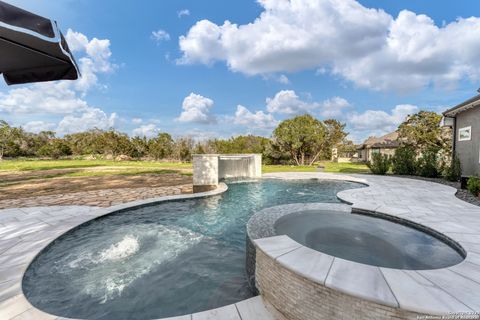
(469,151)
(366,154)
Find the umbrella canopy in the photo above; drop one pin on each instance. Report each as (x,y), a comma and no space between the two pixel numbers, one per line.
(32,48)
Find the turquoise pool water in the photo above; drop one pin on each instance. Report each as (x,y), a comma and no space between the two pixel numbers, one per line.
(163,260)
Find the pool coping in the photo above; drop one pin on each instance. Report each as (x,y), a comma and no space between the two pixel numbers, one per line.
(459,284)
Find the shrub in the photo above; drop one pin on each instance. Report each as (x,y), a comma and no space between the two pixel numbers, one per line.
(380,163)
(473,185)
(403,162)
(453,172)
(427,165)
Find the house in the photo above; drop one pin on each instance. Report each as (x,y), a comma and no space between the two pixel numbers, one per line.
(464,119)
(343,154)
(384,145)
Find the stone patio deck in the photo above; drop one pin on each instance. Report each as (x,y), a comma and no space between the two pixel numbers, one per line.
(24,232)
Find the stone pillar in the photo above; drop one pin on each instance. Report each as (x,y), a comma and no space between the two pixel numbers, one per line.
(205,172)
(257,159)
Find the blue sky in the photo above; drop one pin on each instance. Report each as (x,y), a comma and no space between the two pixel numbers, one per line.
(177,66)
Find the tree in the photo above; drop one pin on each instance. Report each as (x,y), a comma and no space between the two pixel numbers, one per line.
(183,149)
(404,160)
(116,143)
(422,131)
(140,146)
(55,149)
(161,147)
(7,136)
(302,137)
(380,163)
(88,142)
(335,134)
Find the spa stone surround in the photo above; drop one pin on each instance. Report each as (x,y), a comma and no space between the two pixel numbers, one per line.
(382,293)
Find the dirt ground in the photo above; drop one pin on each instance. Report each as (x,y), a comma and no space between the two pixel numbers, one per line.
(26,184)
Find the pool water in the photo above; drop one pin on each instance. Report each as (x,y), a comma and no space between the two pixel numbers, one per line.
(368,240)
(169,259)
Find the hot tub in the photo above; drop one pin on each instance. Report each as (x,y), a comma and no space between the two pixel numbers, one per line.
(369,240)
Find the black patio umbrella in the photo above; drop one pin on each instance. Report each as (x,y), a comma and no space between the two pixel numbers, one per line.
(32,48)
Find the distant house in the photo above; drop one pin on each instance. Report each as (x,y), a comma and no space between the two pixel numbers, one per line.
(341,155)
(384,145)
(464,119)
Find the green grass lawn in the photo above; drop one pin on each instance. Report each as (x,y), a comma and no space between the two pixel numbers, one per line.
(345,167)
(33,165)
(94,167)
(329,167)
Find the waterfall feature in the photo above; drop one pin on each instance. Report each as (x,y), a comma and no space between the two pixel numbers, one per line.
(208,169)
(235,167)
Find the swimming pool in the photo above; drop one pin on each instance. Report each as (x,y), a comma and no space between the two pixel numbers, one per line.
(168,259)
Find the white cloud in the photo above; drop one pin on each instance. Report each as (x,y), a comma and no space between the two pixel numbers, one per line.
(283,79)
(160,35)
(288,102)
(196,108)
(334,107)
(50,98)
(259,119)
(378,121)
(146,130)
(98,54)
(89,119)
(37,126)
(137,120)
(183,12)
(366,46)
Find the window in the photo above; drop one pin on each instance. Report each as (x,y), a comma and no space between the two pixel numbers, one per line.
(465,134)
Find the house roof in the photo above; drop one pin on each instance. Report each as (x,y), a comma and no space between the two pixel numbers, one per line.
(390,140)
(468,104)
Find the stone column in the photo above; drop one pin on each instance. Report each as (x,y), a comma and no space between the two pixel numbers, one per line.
(257,159)
(205,172)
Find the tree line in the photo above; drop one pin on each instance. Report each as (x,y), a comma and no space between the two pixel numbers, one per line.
(301,140)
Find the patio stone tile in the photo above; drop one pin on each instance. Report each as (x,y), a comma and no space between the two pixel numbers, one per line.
(365,206)
(14,306)
(360,280)
(254,309)
(463,289)
(7,244)
(8,273)
(10,289)
(186,317)
(468,270)
(428,298)
(458,236)
(8,260)
(26,246)
(224,313)
(277,246)
(307,262)
(34,313)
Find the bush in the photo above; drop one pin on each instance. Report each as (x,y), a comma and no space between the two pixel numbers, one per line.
(380,163)
(427,165)
(473,185)
(453,172)
(403,162)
